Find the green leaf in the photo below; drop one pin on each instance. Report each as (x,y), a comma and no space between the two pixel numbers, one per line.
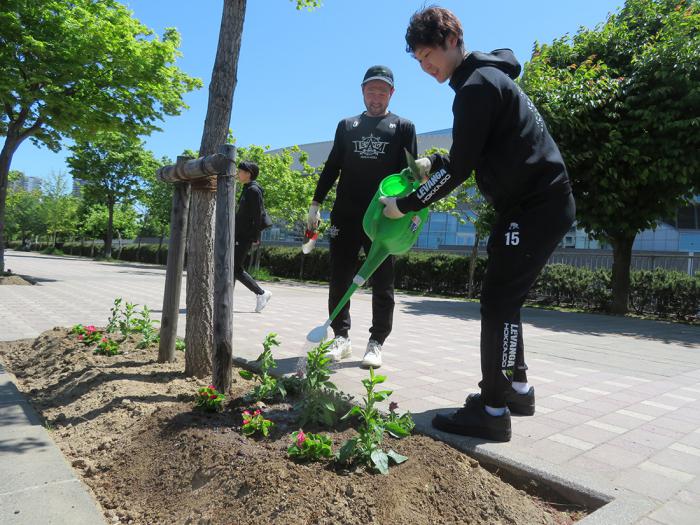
(396,457)
(245,374)
(396,430)
(380,460)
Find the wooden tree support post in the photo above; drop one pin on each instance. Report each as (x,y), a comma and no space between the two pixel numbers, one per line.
(224,245)
(173,273)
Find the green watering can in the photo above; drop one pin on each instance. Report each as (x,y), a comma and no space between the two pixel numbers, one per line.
(389,236)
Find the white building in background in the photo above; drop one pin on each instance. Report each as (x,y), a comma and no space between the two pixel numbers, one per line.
(26,183)
(443,231)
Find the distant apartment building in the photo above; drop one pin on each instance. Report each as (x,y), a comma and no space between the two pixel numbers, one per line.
(444,231)
(26,183)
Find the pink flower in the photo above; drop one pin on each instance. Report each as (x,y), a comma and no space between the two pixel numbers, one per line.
(246,413)
(212,387)
(104,339)
(212,396)
(246,421)
(256,413)
(90,328)
(393,406)
(301,437)
(80,337)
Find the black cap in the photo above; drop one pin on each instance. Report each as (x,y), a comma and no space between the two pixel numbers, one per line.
(379,73)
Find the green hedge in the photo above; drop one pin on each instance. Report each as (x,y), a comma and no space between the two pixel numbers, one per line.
(666,294)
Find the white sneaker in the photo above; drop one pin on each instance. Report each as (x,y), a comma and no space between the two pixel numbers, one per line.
(262,300)
(373,355)
(339,349)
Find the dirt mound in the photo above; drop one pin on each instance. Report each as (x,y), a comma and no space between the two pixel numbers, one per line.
(14,279)
(127,426)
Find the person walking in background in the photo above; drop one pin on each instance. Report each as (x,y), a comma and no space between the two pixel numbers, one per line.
(248,228)
(498,132)
(366,148)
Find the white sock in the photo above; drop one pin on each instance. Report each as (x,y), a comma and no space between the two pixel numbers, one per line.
(492,411)
(521,388)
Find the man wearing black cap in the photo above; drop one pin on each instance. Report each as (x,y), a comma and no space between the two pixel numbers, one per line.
(366,148)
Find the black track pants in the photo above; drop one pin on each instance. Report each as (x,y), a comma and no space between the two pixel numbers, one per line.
(518,248)
(239,273)
(344,250)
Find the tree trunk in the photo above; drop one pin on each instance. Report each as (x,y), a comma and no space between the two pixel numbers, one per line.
(622,258)
(472,265)
(160,244)
(119,243)
(8,150)
(110,232)
(200,242)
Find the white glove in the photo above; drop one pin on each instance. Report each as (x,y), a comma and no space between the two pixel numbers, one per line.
(314,217)
(391,210)
(424,166)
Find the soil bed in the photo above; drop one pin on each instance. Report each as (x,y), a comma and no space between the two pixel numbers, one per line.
(127,425)
(14,279)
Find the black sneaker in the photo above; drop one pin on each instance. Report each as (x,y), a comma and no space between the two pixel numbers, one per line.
(473,420)
(521,404)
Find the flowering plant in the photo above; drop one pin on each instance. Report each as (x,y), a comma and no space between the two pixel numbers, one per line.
(366,448)
(86,334)
(107,346)
(209,399)
(313,447)
(255,422)
(398,425)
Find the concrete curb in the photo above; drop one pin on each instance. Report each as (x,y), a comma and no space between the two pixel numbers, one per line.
(38,485)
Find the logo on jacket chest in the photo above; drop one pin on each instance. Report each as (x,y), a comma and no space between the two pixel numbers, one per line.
(370,147)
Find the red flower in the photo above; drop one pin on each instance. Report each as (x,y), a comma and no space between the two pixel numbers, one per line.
(246,421)
(212,387)
(393,406)
(256,413)
(301,437)
(80,337)
(212,396)
(104,339)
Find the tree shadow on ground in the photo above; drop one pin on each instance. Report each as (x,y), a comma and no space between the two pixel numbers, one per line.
(568,322)
(83,382)
(21,445)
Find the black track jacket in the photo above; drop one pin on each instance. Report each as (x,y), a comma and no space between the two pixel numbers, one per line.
(498,132)
(365,150)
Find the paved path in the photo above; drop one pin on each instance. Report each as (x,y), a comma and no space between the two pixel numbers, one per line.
(618,400)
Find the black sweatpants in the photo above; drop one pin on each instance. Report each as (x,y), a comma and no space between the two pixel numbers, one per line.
(346,238)
(239,256)
(519,246)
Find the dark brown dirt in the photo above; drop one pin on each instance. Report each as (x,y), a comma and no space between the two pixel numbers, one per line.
(127,425)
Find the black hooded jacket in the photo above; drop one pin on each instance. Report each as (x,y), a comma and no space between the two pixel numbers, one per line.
(498,132)
(249,212)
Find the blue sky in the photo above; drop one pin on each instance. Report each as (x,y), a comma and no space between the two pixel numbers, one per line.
(299,72)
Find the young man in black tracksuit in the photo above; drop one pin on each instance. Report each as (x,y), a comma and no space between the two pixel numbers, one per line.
(498,132)
(366,148)
(248,228)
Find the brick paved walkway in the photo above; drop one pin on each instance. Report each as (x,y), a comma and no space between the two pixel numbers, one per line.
(617,399)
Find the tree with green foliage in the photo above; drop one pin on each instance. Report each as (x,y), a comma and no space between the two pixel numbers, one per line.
(71,68)
(157,199)
(111,167)
(622,100)
(287,191)
(23,215)
(59,208)
(94,221)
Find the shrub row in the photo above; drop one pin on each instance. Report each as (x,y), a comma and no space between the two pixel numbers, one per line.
(666,294)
